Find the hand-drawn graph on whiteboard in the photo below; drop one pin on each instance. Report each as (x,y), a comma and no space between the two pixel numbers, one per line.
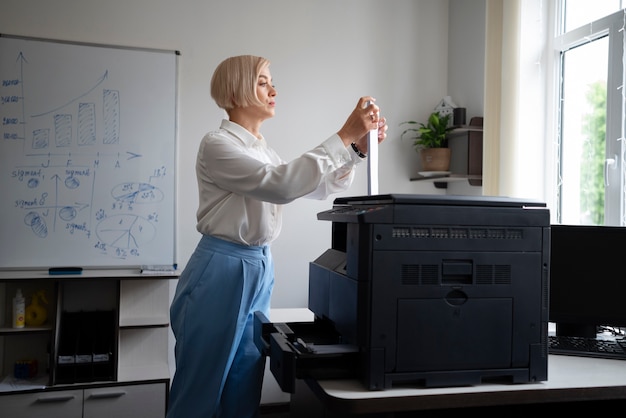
(87,154)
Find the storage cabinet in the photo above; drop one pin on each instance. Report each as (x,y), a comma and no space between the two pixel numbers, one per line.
(103,350)
(129,401)
(51,404)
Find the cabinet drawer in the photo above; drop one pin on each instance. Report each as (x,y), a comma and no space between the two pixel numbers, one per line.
(52,404)
(132,401)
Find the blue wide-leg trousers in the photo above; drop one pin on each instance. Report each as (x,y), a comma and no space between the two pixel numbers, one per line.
(219,370)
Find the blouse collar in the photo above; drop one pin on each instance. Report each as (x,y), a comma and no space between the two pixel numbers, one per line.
(242,133)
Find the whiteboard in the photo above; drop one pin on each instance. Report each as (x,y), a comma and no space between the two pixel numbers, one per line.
(87,155)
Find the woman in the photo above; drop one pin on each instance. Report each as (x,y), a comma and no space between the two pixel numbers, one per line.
(242,184)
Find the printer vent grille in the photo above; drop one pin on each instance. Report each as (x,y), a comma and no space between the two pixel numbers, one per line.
(415,274)
(493,274)
(428,274)
(443,232)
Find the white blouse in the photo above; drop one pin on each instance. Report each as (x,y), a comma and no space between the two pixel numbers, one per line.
(242,182)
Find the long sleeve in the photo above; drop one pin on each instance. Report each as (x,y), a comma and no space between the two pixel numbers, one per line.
(242,182)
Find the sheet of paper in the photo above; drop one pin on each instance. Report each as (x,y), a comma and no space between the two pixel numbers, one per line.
(372,162)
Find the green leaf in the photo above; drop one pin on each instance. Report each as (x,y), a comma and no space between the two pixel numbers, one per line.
(433,134)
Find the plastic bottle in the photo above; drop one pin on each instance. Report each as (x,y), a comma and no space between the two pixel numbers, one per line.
(36,314)
(19,310)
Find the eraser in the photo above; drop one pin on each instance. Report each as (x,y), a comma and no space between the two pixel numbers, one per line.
(65,270)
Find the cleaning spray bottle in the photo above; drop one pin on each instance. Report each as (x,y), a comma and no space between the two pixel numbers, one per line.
(19,310)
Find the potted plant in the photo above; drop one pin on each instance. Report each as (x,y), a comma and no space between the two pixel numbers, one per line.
(431,141)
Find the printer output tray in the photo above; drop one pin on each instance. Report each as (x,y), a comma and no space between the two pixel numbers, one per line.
(301,350)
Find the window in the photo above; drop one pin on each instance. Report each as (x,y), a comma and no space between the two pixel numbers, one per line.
(577,13)
(590,177)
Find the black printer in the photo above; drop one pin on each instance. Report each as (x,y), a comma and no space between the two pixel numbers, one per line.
(431,290)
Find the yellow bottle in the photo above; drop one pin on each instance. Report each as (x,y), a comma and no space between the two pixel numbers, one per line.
(36,314)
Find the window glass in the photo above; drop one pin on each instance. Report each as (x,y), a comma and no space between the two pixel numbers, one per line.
(590,167)
(583,112)
(581,12)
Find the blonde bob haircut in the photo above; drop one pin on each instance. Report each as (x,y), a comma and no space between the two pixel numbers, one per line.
(234,81)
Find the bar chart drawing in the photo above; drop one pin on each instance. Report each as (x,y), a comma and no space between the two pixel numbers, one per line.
(111,116)
(87,154)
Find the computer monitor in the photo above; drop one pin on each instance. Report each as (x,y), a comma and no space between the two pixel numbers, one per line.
(587,278)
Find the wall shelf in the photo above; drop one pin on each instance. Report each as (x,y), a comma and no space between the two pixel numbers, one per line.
(441,182)
(473,172)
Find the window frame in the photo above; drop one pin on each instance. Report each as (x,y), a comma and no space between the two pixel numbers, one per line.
(612,26)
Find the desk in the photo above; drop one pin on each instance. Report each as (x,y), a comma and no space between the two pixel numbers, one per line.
(570,379)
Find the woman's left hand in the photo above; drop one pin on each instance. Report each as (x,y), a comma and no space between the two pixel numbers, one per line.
(382,134)
(364,117)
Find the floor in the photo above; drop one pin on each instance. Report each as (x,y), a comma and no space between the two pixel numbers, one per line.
(500,411)
(275,411)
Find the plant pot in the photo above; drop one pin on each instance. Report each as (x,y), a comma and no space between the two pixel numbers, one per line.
(435,159)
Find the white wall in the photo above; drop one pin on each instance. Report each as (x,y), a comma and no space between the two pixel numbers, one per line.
(466,55)
(466,71)
(325,54)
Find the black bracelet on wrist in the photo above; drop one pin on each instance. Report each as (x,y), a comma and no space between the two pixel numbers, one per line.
(356,149)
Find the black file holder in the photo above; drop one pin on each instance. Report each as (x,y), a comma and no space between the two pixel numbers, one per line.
(86,350)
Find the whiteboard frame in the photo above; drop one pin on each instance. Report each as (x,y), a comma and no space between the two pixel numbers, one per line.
(174,191)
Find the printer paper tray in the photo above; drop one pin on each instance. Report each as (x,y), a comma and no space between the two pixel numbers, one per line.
(304,349)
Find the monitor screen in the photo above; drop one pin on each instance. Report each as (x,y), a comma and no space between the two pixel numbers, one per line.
(587,278)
